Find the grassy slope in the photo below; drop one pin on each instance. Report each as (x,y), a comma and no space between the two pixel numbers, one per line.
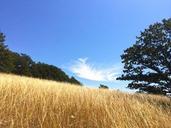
(34,103)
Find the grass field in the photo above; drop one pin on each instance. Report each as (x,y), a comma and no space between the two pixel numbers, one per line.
(34,103)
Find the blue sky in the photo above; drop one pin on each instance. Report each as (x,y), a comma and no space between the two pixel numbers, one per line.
(83,37)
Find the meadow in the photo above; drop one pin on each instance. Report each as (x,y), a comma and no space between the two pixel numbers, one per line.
(35,103)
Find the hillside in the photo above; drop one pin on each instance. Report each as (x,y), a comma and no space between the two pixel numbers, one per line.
(22,64)
(34,103)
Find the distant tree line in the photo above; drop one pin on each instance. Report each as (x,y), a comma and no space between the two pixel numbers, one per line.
(22,64)
(103,86)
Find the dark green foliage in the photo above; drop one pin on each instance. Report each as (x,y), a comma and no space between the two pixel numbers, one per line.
(6,64)
(148,62)
(22,64)
(103,86)
(51,72)
(74,81)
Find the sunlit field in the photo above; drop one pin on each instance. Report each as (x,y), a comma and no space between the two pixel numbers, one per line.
(33,103)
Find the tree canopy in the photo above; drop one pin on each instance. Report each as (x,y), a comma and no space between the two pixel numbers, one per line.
(147,64)
(22,64)
(103,86)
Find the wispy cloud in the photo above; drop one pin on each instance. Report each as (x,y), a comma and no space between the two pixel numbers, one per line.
(83,69)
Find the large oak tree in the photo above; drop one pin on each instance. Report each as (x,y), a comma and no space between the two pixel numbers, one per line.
(147,64)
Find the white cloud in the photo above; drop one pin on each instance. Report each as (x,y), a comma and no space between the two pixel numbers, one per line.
(83,69)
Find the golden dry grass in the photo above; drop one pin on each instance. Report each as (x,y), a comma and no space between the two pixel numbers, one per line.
(34,103)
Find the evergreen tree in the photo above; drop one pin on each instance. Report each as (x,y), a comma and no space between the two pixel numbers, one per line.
(6,64)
